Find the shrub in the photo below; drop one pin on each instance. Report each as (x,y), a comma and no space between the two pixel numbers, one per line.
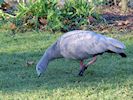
(75,13)
(48,15)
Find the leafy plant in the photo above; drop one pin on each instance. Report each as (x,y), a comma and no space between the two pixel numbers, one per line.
(48,15)
(75,13)
(40,9)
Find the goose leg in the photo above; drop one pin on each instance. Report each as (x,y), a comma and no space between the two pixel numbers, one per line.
(84,67)
(92,61)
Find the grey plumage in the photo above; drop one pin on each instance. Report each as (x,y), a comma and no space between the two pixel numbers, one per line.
(79,45)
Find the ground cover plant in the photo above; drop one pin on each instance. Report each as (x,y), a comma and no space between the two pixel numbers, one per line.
(109,78)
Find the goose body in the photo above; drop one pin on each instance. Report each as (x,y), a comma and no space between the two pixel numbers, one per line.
(80,45)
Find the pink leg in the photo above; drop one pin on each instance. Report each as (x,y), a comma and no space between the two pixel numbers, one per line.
(84,67)
(92,61)
(81,64)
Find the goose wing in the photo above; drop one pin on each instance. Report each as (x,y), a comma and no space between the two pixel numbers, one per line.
(82,44)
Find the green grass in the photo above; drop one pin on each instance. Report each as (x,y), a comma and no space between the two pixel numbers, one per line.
(110,78)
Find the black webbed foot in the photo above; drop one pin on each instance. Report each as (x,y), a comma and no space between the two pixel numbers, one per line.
(81,72)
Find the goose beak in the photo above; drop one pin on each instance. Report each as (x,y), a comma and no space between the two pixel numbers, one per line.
(38,72)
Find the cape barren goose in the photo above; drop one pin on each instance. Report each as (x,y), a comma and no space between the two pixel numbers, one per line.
(80,45)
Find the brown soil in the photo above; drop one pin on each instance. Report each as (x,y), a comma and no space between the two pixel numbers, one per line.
(115,17)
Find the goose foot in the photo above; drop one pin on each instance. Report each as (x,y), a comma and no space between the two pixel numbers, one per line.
(81,72)
(83,67)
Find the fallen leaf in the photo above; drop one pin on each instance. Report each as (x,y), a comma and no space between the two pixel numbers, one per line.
(29,63)
(12,26)
(126,22)
(43,21)
(120,23)
(91,19)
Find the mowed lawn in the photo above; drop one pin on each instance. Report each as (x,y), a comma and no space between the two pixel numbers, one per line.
(110,78)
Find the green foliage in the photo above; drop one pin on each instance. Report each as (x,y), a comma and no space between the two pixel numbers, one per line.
(1,19)
(72,15)
(40,8)
(1,1)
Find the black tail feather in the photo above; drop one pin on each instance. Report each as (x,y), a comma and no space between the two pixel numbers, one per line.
(123,55)
(109,51)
